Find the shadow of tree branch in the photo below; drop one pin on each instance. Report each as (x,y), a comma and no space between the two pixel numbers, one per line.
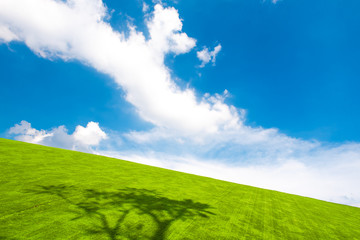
(109,210)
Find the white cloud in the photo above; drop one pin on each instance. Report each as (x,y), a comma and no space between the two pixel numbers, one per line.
(91,135)
(70,30)
(165,32)
(185,124)
(6,35)
(335,182)
(205,56)
(26,133)
(83,138)
(145,7)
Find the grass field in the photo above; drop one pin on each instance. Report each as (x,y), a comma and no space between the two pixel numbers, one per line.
(49,193)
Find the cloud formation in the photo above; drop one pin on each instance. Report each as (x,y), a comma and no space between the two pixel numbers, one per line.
(330,181)
(82,139)
(76,29)
(26,133)
(199,127)
(6,35)
(205,56)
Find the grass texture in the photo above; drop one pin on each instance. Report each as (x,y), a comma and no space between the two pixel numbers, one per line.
(49,193)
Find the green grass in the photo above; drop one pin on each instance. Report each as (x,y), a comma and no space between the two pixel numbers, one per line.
(49,193)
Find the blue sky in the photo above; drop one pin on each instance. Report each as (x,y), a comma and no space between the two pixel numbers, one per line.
(278,97)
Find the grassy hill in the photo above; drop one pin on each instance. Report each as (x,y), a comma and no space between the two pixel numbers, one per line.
(49,193)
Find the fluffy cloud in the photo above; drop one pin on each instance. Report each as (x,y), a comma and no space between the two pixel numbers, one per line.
(76,29)
(26,133)
(165,32)
(185,124)
(83,138)
(205,56)
(91,135)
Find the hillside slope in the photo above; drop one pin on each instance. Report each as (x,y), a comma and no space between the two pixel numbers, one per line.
(49,193)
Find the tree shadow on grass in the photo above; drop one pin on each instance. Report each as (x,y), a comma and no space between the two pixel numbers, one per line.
(128,213)
(6,238)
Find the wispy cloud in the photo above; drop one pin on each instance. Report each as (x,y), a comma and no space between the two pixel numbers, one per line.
(145,7)
(205,56)
(6,35)
(335,181)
